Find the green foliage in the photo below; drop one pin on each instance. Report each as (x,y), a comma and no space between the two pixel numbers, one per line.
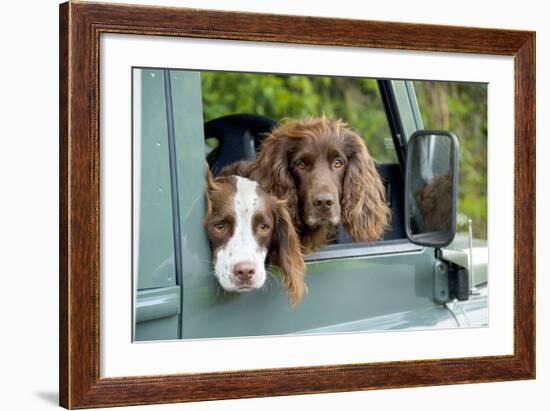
(355,100)
(462,109)
(457,107)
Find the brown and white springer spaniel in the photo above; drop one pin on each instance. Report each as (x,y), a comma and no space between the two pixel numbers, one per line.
(247,226)
(324,171)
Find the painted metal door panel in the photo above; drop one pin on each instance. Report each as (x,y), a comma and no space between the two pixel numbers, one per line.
(152,186)
(166,179)
(340,291)
(157,314)
(407,107)
(169,158)
(156,311)
(190,151)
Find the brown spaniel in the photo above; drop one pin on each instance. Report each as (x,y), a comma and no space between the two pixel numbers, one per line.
(246,226)
(435,202)
(324,171)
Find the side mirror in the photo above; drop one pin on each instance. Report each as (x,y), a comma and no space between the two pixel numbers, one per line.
(431,185)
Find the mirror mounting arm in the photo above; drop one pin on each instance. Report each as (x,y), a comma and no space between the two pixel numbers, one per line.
(451,276)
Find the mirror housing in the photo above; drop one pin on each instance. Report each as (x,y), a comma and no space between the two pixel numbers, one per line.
(431,186)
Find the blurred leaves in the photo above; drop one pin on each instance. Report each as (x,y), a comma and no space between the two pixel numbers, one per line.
(462,109)
(355,100)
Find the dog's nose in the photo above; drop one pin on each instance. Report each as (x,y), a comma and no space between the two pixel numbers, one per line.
(323,202)
(244,271)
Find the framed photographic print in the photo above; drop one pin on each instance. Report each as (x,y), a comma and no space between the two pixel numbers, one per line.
(259,205)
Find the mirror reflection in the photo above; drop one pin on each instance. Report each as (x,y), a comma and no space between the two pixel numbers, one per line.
(431,188)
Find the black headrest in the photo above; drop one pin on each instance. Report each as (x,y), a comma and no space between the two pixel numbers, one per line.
(238,135)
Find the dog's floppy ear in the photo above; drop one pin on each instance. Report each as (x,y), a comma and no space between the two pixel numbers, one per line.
(285,253)
(209,177)
(210,187)
(365,214)
(272,172)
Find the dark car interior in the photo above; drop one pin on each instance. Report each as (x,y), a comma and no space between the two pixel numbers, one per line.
(240,135)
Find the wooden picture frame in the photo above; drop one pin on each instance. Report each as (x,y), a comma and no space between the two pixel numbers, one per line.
(80,27)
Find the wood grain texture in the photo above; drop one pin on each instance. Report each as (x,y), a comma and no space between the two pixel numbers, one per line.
(80,27)
(63,204)
(524,203)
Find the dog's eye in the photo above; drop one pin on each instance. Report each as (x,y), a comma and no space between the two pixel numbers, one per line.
(301,165)
(338,163)
(264,227)
(219,226)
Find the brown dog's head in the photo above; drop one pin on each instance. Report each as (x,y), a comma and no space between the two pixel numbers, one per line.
(246,226)
(435,201)
(328,177)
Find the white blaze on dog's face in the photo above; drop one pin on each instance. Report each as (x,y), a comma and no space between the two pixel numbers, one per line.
(239,224)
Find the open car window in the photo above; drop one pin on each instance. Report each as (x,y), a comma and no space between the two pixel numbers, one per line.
(278,96)
(239,108)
